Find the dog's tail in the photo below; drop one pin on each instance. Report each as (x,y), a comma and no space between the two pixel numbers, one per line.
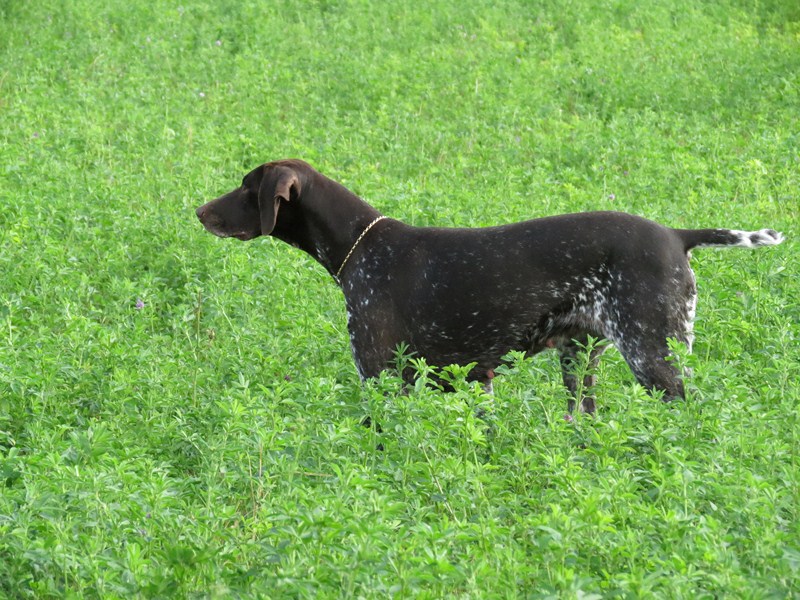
(693,238)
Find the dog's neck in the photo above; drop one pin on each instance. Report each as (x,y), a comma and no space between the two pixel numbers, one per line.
(331,227)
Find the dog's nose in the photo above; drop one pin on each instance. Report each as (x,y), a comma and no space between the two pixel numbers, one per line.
(201,212)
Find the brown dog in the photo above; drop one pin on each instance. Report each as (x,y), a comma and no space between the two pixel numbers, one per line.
(459,296)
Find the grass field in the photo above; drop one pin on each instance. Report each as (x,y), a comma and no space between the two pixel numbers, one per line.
(180,414)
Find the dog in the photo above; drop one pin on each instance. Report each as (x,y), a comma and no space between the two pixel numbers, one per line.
(472,295)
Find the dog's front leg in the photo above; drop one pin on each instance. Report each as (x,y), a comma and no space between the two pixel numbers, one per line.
(371,354)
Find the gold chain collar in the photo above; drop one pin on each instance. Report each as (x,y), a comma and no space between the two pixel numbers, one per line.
(355,245)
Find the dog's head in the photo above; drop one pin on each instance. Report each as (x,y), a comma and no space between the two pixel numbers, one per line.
(252,209)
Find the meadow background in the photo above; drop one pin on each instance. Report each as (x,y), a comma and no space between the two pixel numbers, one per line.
(179,414)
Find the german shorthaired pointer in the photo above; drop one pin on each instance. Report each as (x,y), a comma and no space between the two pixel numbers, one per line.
(459,296)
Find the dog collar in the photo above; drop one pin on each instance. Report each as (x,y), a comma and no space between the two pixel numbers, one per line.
(355,245)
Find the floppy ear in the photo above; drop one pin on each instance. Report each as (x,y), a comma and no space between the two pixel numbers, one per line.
(280,184)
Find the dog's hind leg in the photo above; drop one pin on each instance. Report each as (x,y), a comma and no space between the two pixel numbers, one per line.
(648,361)
(650,312)
(569,355)
(642,341)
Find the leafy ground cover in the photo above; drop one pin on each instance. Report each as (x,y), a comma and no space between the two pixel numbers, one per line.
(179,414)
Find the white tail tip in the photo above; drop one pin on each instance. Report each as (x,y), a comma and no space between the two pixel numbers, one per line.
(762,237)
